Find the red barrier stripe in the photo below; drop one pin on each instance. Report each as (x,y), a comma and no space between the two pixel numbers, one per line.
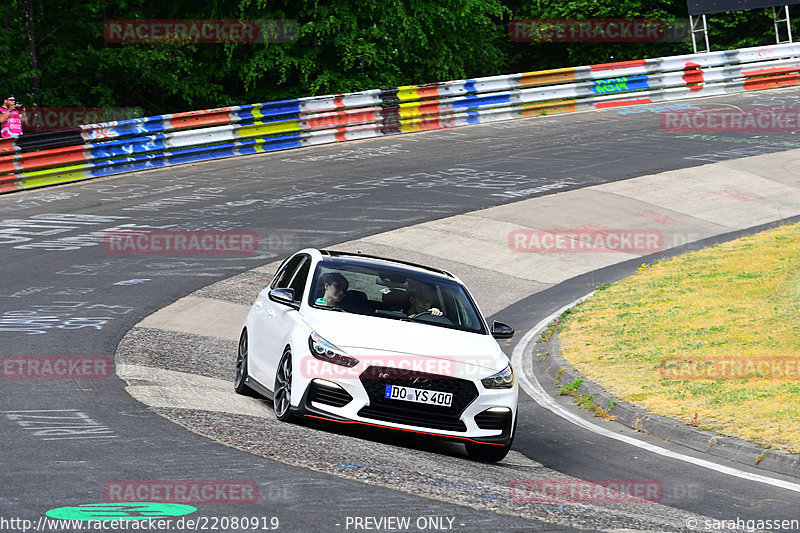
(429,124)
(428,92)
(6,146)
(771,71)
(8,184)
(338,118)
(199,121)
(693,76)
(620,64)
(44,158)
(623,103)
(431,109)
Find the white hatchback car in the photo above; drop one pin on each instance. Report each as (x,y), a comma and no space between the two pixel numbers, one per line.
(354,338)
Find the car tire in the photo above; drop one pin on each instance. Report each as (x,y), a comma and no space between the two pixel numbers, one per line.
(240,377)
(282,396)
(487,453)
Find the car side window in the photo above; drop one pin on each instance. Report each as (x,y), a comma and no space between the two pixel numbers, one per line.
(298,283)
(284,276)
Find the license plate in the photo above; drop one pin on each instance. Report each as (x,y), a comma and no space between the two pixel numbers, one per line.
(408,394)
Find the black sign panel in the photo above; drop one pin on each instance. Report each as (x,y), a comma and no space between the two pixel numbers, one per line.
(700,7)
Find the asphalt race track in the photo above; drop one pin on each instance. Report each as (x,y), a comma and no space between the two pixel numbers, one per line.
(71,442)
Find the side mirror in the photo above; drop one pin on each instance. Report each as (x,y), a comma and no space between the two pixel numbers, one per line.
(501,330)
(283,296)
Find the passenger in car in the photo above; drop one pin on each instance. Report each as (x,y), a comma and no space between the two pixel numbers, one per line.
(335,286)
(420,300)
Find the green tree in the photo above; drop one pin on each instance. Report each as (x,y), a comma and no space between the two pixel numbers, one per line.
(347,46)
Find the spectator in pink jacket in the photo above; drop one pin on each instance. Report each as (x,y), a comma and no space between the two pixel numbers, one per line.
(10,122)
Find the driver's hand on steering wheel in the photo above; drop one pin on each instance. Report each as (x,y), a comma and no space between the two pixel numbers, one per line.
(435,312)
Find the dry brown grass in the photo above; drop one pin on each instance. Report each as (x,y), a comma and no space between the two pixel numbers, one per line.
(738,301)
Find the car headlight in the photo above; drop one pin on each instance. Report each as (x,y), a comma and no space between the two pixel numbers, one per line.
(326,351)
(501,380)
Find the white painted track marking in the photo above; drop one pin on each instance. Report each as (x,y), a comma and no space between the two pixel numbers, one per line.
(535,390)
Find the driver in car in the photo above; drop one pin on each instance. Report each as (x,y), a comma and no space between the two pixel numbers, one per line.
(420,300)
(335,286)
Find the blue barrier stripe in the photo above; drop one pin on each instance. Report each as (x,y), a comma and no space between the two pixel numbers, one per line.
(482,101)
(127,146)
(269,110)
(473,118)
(469,86)
(616,85)
(288,140)
(134,128)
(130,164)
(121,168)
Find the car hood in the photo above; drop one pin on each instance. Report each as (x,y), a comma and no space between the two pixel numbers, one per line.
(360,335)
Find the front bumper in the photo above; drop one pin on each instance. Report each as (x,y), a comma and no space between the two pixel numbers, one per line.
(478,415)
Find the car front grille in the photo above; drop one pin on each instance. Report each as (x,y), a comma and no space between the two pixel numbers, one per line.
(375,380)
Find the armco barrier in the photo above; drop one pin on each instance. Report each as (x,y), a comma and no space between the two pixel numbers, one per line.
(85,152)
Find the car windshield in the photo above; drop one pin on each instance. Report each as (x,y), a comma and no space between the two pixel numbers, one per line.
(393,292)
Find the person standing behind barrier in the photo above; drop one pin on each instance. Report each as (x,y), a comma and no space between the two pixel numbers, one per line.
(10,123)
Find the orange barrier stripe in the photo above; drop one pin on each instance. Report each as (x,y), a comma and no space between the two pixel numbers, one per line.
(623,103)
(536,110)
(546,77)
(771,82)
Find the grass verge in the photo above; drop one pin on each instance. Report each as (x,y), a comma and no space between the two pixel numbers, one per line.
(710,338)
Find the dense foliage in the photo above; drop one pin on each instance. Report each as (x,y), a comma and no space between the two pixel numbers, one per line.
(55,52)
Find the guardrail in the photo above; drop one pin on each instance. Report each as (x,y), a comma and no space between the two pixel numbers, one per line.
(85,152)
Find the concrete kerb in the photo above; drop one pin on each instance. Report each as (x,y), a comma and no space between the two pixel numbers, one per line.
(552,362)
